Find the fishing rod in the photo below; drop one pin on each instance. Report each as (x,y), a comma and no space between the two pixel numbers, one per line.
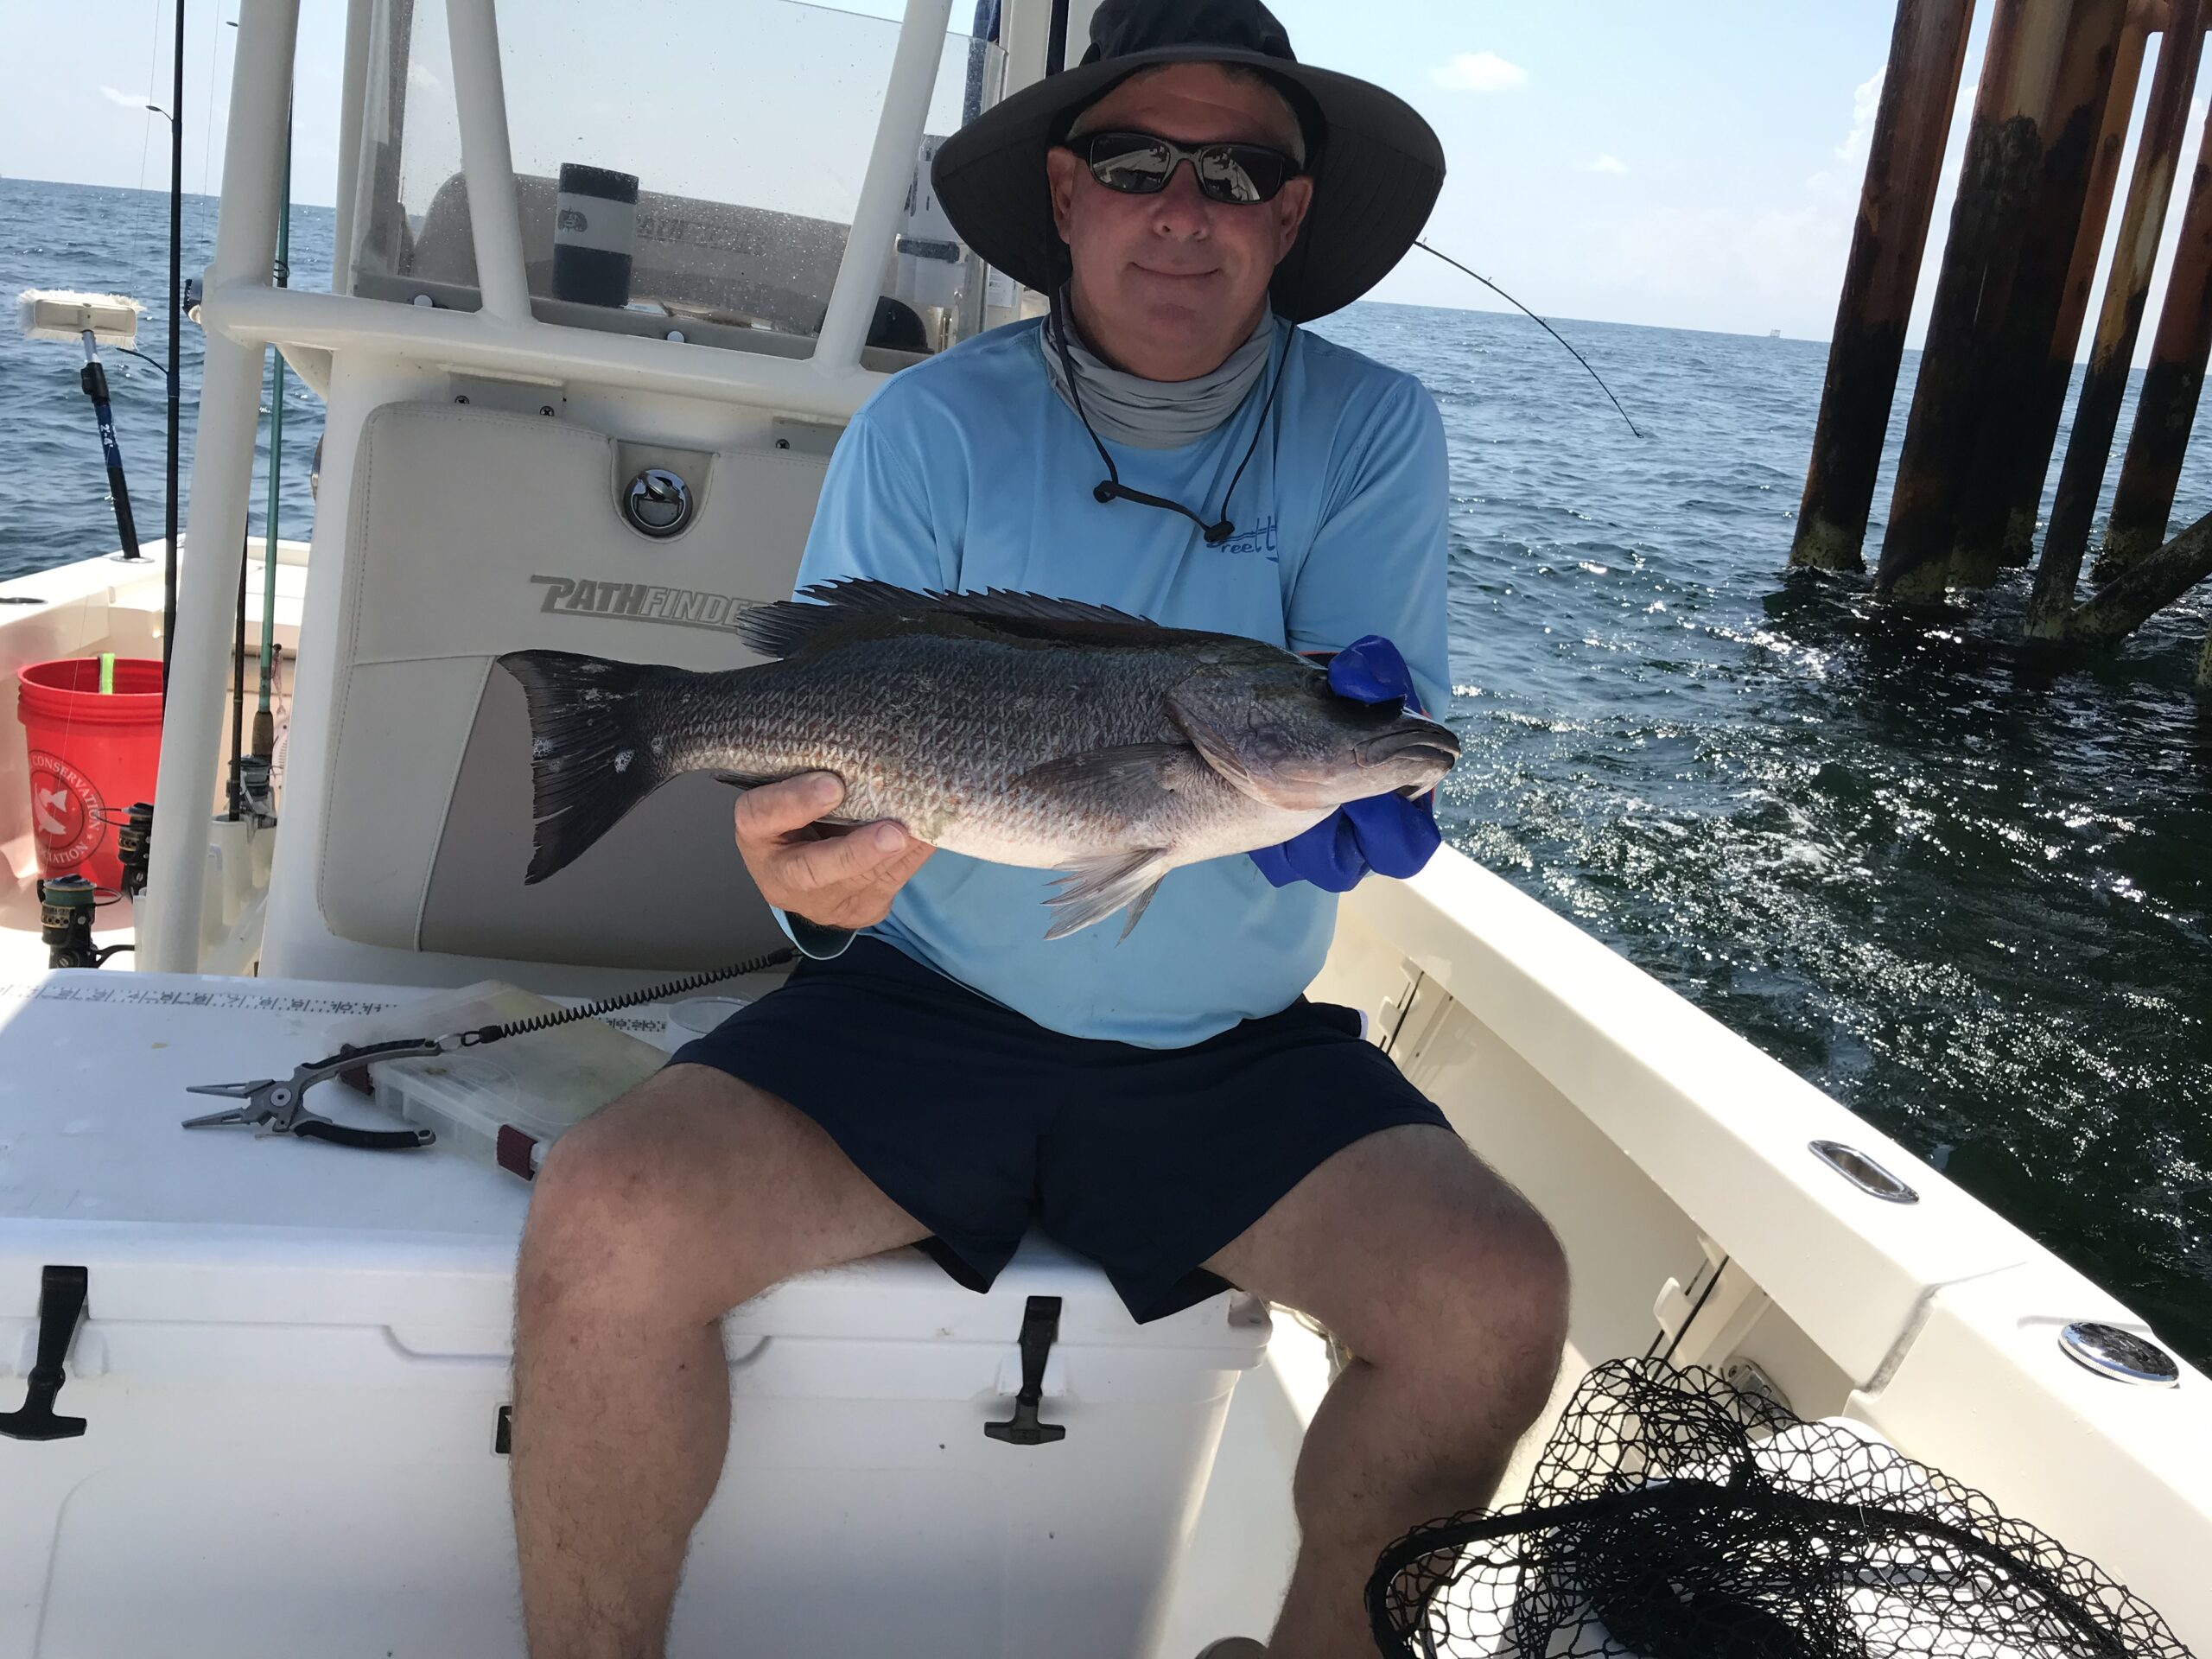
(92,320)
(265,729)
(1538,320)
(175,113)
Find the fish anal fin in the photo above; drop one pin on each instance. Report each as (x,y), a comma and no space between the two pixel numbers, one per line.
(1137,907)
(1091,889)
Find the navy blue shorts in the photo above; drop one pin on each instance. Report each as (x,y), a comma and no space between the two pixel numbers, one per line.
(978,1121)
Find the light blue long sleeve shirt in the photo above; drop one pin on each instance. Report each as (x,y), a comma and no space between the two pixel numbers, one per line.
(968,471)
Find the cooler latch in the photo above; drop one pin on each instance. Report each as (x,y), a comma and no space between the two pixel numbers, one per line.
(1041,1329)
(60,1305)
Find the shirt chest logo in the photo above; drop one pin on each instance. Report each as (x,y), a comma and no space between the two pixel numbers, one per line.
(1259,542)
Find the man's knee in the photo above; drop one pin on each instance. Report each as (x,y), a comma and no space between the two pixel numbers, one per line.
(626,1207)
(1488,1301)
(1527,1318)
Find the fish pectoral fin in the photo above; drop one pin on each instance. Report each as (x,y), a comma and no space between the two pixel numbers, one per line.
(1212,746)
(1091,889)
(1127,777)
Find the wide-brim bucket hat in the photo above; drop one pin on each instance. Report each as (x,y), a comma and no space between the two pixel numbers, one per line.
(1376,164)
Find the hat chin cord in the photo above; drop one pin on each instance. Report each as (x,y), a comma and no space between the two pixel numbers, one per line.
(1111,487)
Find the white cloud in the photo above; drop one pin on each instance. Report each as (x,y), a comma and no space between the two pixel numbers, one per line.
(1607,164)
(1478,71)
(124,100)
(419,74)
(1865,99)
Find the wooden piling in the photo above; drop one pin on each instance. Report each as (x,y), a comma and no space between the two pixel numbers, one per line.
(2001,165)
(2066,121)
(2017,545)
(1905,160)
(2104,384)
(2167,408)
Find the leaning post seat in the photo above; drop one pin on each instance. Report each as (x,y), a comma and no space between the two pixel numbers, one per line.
(475,531)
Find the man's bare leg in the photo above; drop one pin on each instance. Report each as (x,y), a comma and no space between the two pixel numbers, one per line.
(1452,1292)
(648,1223)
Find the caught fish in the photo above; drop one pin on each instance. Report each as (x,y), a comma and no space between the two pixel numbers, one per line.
(1038,731)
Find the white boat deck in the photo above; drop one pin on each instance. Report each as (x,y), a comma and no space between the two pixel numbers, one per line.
(111,603)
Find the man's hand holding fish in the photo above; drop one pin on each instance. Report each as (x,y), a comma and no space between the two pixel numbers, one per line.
(1061,653)
(843,880)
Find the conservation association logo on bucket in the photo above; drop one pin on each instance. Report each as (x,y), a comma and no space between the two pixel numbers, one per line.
(68,818)
(93,727)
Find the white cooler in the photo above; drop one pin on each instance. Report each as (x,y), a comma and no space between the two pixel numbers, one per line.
(292,1367)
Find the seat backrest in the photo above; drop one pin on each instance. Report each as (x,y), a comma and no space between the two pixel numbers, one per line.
(473,532)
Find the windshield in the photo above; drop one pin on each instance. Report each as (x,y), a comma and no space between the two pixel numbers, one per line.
(691,164)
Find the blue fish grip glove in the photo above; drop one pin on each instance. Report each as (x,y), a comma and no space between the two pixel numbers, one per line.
(1386,833)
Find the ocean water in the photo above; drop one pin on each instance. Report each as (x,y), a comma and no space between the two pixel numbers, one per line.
(1964,889)
(54,496)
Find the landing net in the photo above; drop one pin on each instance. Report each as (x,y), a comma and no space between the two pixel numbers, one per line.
(1673,1516)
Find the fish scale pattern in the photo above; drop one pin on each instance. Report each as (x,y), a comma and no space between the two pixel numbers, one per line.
(948,725)
(1022,730)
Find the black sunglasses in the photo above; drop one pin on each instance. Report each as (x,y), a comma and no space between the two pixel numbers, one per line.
(1141,163)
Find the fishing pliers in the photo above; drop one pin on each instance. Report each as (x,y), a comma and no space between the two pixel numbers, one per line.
(275,1107)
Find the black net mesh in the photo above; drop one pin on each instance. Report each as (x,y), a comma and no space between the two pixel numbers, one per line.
(1673,1516)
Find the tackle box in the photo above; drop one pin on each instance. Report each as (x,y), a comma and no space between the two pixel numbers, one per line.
(504,1103)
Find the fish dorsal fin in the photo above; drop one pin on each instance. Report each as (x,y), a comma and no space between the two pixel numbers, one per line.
(789,626)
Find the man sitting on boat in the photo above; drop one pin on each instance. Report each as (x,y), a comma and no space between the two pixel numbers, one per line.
(1168,442)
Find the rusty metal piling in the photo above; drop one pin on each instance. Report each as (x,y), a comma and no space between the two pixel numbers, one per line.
(1995,180)
(2167,408)
(2059,134)
(1904,168)
(2050,126)
(2104,382)
(2017,546)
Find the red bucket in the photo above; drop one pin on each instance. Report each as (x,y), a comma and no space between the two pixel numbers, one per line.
(93,754)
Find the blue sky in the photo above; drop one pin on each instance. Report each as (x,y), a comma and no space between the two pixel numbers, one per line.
(1631,161)
(1692,165)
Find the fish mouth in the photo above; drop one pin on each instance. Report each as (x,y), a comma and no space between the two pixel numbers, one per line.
(1420,742)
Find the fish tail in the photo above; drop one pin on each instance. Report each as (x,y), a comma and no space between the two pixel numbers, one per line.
(591,760)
